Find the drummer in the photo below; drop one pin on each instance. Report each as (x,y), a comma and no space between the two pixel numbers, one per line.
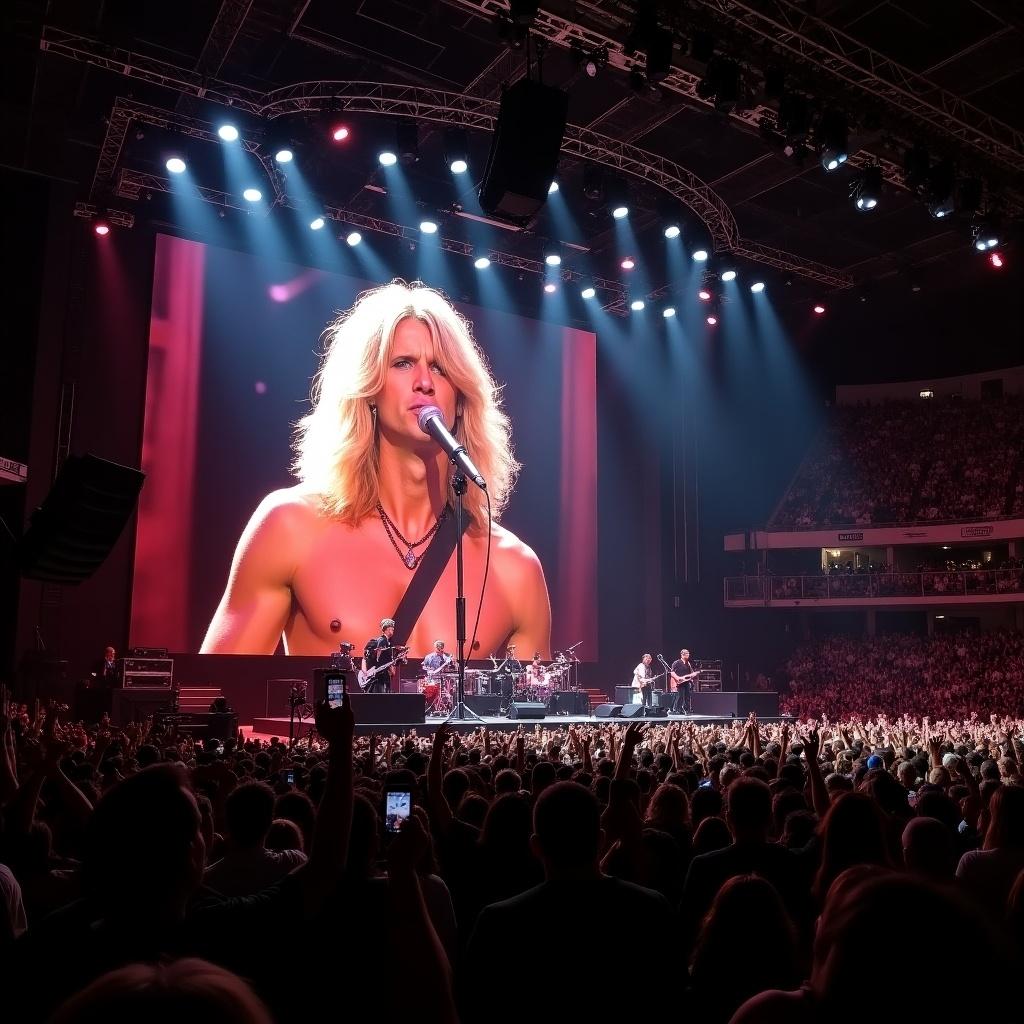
(535,672)
(434,662)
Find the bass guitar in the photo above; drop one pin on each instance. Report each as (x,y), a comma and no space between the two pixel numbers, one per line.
(365,676)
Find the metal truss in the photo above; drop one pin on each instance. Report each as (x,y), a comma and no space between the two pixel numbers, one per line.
(119,218)
(147,69)
(788,27)
(423,104)
(223,32)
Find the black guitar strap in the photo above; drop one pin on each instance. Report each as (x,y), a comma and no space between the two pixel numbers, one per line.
(428,572)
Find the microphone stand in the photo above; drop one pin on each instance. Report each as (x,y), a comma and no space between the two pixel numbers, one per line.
(460,711)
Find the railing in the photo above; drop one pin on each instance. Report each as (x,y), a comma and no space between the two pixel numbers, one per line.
(839,587)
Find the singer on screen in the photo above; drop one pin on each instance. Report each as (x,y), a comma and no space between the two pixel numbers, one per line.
(374,493)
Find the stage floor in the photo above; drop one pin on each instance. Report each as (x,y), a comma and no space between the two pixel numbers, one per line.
(279,726)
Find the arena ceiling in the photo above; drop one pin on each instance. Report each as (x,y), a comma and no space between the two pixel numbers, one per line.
(877,62)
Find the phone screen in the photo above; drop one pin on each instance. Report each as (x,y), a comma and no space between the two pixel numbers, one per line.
(335,689)
(289,776)
(397,808)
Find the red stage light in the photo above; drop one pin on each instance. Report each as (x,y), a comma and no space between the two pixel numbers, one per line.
(712,320)
(628,263)
(996,259)
(819,309)
(340,133)
(704,295)
(102,229)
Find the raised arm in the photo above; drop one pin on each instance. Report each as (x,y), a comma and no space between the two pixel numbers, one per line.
(257,600)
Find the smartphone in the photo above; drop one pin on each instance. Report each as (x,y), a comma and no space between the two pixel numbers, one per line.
(704,783)
(289,776)
(335,687)
(397,808)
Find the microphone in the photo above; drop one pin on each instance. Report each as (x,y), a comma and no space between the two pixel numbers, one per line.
(431,421)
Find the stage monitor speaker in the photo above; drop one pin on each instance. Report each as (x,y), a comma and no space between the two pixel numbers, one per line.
(524,151)
(608,711)
(569,702)
(79,521)
(632,710)
(527,709)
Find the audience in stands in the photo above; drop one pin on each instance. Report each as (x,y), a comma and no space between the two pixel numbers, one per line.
(911,461)
(850,851)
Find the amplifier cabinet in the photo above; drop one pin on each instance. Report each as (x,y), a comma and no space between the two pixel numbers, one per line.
(147,673)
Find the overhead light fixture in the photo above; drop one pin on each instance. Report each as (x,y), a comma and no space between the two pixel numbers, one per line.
(619,211)
(699,255)
(252,195)
(672,231)
(481,263)
(428,227)
(704,295)
(819,309)
(832,137)
(587,291)
(408,138)
(995,258)
(175,165)
(939,190)
(552,188)
(459,166)
(627,263)
(668,311)
(636,305)
(552,256)
(985,232)
(757,287)
(353,238)
(317,223)
(339,133)
(711,320)
(593,182)
(456,149)
(101,228)
(866,188)
(550,287)
(228,133)
(387,158)
(729,275)
(284,155)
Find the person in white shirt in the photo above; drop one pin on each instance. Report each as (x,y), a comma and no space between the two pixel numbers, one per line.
(642,679)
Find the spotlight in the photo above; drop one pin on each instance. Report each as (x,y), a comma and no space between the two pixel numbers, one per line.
(284,155)
(620,211)
(317,223)
(591,68)
(699,255)
(636,305)
(175,165)
(588,291)
(456,150)
(672,231)
(386,158)
(353,238)
(939,190)
(866,188)
(102,229)
(668,311)
(228,132)
(728,275)
(552,188)
(711,320)
(593,182)
(995,258)
(757,287)
(408,138)
(832,137)
(550,287)
(985,231)
(481,263)
(252,195)
(704,295)
(552,255)
(428,227)
(339,133)
(627,263)
(819,309)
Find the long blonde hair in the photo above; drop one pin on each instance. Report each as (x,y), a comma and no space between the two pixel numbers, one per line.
(336,447)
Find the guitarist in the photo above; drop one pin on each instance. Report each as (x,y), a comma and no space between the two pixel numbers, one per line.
(643,680)
(379,651)
(683,675)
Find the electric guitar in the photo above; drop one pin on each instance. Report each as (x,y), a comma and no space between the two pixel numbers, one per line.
(366,675)
(647,682)
(431,672)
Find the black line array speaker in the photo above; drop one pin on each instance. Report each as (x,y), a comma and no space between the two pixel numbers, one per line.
(608,711)
(79,521)
(524,151)
(527,709)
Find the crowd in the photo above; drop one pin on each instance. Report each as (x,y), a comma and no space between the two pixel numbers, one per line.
(755,872)
(910,461)
(946,677)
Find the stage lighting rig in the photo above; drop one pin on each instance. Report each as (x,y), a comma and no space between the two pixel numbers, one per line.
(553,254)
(722,83)
(593,182)
(985,231)
(866,188)
(407,137)
(456,150)
(939,190)
(832,136)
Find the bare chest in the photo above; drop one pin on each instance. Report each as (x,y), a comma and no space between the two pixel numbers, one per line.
(351,578)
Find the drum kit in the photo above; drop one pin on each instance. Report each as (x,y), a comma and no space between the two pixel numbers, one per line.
(439,691)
